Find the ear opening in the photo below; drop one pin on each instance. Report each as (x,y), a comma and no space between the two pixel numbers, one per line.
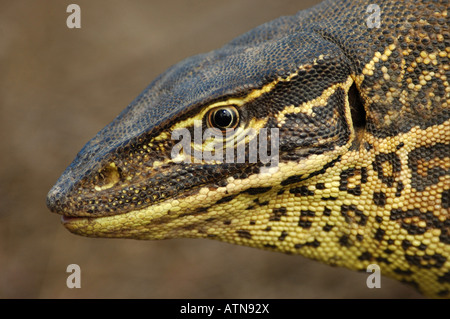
(357,108)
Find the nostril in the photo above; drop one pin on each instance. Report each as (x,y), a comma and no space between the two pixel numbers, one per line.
(107,177)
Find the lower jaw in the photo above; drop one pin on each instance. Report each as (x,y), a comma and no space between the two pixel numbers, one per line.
(100,226)
(68,219)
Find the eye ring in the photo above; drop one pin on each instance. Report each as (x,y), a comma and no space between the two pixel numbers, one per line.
(223,118)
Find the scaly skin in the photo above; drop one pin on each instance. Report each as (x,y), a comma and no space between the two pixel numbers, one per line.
(363,173)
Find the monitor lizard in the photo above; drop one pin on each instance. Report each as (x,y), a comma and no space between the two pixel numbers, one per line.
(354,95)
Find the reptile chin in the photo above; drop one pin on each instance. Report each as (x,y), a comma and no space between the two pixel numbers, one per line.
(140,224)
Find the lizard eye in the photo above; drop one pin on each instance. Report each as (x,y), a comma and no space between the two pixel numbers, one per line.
(223,118)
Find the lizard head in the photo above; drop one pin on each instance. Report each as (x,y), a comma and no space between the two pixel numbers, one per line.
(211,146)
(266,142)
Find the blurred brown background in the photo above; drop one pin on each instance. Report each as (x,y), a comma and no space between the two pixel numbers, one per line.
(58,87)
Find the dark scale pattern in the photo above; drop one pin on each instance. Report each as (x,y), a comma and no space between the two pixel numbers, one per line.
(298,178)
(344,241)
(445,198)
(426,165)
(314,244)
(304,134)
(362,113)
(355,189)
(379,198)
(283,235)
(379,234)
(365,256)
(244,234)
(301,191)
(257,190)
(388,167)
(306,218)
(277,213)
(353,215)
(410,220)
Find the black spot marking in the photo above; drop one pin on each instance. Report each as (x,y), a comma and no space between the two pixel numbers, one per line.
(277,213)
(227,222)
(250,207)
(256,201)
(189,227)
(422,247)
(327,227)
(359,237)
(444,237)
(257,190)
(379,234)
(348,210)
(344,241)
(201,210)
(406,244)
(445,198)
(270,246)
(301,191)
(268,228)
(252,222)
(409,223)
(329,198)
(400,145)
(424,172)
(365,256)
(445,278)
(388,251)
(226,199)
(298,178)
(378,219)
(244,233)
(306,217)
(399,189)
(364,175)
(197,211)
(367,146)
(314,244)
(387,177)
(327,211)
(320,186)
(283,235)
(383,260)
(379,198)
(281,192)
(361,178)
(403,272)
(293,179)
(426,261)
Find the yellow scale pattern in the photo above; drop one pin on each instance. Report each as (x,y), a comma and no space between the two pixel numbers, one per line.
(359,203)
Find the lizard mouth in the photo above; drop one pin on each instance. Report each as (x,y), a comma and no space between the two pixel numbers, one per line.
(88,226)
(73,223)
(68,219)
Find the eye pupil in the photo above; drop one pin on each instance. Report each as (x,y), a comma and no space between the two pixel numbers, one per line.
(223,118)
